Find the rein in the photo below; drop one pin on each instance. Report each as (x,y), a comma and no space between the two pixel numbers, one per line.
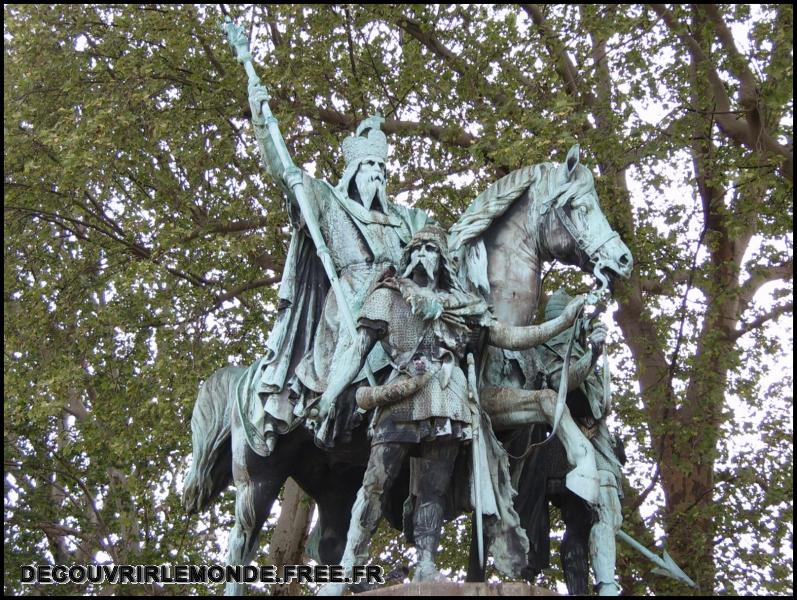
(561,397)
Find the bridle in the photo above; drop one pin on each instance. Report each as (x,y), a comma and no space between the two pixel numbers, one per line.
(587,246)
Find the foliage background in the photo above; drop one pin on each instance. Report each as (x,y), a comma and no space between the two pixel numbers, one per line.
(143,245)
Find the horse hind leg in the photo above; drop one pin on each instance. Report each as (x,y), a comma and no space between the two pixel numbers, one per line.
(253,501)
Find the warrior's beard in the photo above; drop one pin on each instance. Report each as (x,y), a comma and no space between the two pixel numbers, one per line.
(418,291)
(371,188)
(424,301)
(427,268)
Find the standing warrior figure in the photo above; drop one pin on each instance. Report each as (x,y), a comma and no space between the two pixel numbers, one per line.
(363,234)
(588,403)
(426,323)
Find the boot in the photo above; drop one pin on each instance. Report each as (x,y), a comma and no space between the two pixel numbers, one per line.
(608,589)
(428,525)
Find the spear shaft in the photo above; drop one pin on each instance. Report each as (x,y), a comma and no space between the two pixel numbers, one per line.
(293,177)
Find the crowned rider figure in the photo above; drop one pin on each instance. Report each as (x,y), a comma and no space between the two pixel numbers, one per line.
(363,234)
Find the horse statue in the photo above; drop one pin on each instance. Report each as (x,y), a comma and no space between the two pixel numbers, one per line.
(540,213)
(503,240)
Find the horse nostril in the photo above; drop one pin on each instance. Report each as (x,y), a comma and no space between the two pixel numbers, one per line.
(624,260)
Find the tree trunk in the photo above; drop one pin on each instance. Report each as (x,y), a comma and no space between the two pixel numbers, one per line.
(290,534)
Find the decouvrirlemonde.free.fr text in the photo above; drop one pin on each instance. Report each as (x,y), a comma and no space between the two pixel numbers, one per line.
(165,574)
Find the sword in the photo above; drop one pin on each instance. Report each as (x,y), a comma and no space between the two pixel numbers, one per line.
(476,426)
(293,177)
(665,565)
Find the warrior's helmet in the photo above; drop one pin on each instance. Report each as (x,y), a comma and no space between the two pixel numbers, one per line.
(556,304)
(437,236)
(367,143)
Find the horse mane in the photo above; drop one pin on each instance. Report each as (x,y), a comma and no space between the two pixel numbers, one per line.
(548,183)
(465,236)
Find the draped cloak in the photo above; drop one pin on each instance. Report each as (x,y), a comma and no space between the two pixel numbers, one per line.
(308,332)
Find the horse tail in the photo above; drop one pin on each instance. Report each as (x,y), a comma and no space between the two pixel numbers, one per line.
(211,466)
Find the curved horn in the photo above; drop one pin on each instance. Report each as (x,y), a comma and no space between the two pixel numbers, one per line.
(510,408)
(380,395)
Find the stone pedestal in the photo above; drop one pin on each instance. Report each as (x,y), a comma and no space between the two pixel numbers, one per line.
(451,588)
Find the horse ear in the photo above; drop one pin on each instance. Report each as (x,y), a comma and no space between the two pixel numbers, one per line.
(571,161)
(567,168)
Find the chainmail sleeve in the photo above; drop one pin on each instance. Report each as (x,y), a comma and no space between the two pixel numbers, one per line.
(375,311)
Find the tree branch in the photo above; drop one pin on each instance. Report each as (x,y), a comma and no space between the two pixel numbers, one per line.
(204,43)
(137,250)
(738,63)
(760,320)
(455,136)
(781,56)
(760,276)
(665,286)
(564,66)
(749,132)
(433,44)
(235,292)
(646,492)
(226,227)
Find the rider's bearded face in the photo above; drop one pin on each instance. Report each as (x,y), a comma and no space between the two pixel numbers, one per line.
(427,258)
(370,180)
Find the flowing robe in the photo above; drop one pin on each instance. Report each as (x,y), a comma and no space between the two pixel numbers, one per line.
(309,332)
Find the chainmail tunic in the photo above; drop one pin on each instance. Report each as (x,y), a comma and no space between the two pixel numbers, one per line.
(413,345)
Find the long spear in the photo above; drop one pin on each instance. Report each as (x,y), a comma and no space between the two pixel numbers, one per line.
(665,565)
(292,176)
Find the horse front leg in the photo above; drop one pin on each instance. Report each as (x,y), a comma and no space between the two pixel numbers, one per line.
(334,493)
(334,526)
(602,541)
(254,497)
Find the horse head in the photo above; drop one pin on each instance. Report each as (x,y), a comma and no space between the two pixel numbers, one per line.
(571,226)
(535,214)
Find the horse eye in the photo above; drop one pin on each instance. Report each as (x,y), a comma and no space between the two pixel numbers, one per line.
(579,206)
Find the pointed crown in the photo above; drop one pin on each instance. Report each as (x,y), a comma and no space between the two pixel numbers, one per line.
(359,146)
